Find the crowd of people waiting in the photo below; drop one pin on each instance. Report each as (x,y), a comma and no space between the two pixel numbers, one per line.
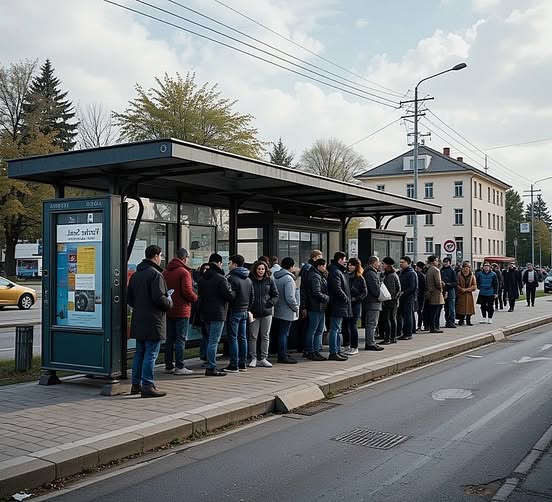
(270,296)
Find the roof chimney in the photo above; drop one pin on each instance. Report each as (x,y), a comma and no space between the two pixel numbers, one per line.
(446,151)
(460,159)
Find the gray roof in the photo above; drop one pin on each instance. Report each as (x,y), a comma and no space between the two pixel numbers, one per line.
(440,163)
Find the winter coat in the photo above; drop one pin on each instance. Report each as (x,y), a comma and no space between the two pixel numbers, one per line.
(393,284)
(357,286)
(339,291)
(487,283)
(499,273)
(434,286)
(147,295)
(317,292)
(420,297)
(304,273)
(512,283)
(373,284)
(464,299)
(178,277)
(243,287)
(537,278)
(287,306)
(450,278)
(266,296)
(409,285)
(214,294)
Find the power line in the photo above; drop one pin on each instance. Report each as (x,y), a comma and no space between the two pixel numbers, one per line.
(518,144)
(251,46)
(392,92)
(168,23)
(375,132)
(174,2)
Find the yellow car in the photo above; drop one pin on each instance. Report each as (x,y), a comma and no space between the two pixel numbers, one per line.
(14,294)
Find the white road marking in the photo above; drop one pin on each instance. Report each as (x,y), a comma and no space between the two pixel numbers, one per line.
(545,347)
(444,394)
(527,359)
(475,357)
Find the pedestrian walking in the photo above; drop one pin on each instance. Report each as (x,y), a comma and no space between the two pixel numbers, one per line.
(450,277)
(434,294)
(357,286)
(148,296)
(266,296)
(240,305)
(513,285)
(340,303)
(388,321)
(407,300)
(178,277)
(466,285)
(286,309)
(487,283)
(420,297)
(372,304)
(316,304)
(531,279)
(215,294)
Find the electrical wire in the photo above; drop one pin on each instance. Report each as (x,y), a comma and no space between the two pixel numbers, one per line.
(251,46)
(518,144)
(174,2)
(168,23)
(391,91)
(375,132)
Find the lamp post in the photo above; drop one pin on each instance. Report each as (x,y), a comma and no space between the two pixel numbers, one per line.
(533,218)
(457,67)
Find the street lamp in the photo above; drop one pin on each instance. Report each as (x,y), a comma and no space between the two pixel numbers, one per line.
(533,218)
(457,67)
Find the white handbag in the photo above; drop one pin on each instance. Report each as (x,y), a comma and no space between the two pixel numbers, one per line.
(384,293)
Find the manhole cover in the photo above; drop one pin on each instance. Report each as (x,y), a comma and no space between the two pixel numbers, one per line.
(317,408)
(372,439)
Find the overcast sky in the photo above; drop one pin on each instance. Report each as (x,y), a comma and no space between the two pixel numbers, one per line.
(100,52)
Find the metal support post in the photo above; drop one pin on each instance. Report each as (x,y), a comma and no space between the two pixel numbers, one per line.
(23,348)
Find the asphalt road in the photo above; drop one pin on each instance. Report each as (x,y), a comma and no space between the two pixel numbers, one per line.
(470,421)
(7,342)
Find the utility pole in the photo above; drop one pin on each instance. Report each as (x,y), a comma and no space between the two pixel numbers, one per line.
(531,193)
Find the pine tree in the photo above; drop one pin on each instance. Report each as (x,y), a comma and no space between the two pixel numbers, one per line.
(47,107)
(514,216)
(280,155)
(541,211)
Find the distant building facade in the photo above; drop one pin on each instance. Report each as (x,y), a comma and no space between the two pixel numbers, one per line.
(473,204)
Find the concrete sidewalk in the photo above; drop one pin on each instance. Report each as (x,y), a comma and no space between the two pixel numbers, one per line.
(53,432)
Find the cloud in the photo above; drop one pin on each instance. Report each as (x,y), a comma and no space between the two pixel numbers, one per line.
(484,5)
(361,23)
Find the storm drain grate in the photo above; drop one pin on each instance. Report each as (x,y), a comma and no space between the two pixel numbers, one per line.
(372,439)
(317,408)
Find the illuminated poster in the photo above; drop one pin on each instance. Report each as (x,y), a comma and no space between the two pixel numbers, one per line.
(79,270)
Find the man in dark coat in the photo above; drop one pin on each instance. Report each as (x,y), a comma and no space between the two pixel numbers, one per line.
(498,300)
(340,303)
(316,303)
(214,294)
(531,279)
(147,295)
(372,305)
(420,297)
(407,300)
(450,278)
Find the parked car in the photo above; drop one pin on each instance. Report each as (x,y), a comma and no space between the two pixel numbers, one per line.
(14,294)
(548,283)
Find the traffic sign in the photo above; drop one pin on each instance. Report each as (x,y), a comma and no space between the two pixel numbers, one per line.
(449,246)
(524,228)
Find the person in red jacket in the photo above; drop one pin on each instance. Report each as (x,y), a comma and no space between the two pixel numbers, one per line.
(178,277)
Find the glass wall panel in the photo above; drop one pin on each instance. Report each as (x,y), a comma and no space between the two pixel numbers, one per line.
(153,210)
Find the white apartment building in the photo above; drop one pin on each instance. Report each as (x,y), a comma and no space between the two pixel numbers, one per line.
(473,204)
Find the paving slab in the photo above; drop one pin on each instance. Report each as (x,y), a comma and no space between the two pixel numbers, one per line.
(71,427)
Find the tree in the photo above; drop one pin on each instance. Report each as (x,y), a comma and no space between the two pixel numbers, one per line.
(542,243)
(48,108)
(96,127)
(179,108)
(280,155)
(333,159)
(541,211)
(514,216)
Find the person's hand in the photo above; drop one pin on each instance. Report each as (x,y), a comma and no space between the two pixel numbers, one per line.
(303,313)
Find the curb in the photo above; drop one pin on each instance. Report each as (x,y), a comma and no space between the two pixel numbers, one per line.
(42,467)
(19,323)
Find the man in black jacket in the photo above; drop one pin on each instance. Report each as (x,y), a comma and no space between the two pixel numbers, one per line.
(450,278)
(420,297)
(531,279)
(340,303)
(239,308)
(147,295)
(512,284)
(214,294)
(407,300)
(316,302)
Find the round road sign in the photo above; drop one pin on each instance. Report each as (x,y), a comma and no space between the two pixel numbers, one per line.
(449,246)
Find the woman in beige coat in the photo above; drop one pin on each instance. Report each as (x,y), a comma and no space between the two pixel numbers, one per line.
(465,306)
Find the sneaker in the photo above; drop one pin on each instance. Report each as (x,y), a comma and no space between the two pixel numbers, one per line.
(230,369)
(169,371)
(214,372)
(404,337)
(337,357)
(483,321)
(490,321)
(352,352)
(242,368)
(264,363)
(346,349)
(152,392)
(434,331)
(183,371)
(318,356)
(253,363)
(373,347)
(135,389)
(287,360)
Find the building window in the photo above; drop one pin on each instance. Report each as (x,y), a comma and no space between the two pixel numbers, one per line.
(475,245)
(489,246)
(480,218)
(489,221)
(475,189)
(480,192)
(488,194)
(459,189)
(409,220)
(429,219)
(475,217)
(501,199)
(458,216)
(421,164)
(494,196)
(494,222)
(459,244)
(480,245)
(428,191)
(409,245)
(381,188)
(494,246)
(429,245)
(502,248)
(410,190)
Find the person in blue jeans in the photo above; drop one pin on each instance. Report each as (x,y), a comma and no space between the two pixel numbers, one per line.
(214,293)
(239,313)
(450,278)
(147,295)
(340,303)
(287,309)
(316,301)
